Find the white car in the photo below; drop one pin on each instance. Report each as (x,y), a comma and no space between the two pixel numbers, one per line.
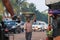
(45,25)
(39,26)
(36,27)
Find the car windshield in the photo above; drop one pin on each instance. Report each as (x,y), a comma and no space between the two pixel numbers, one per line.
(34,23)
(12,22)
(41,23)
(38,23)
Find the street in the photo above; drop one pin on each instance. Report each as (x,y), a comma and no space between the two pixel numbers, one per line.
(18,16)
(35,36)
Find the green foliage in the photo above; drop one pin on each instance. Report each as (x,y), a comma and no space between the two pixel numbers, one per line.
(49,33)
(32,7)
(28,7)
(41,16)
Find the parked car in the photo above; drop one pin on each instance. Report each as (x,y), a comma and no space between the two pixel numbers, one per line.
(21,25)
(45,25)
(39,26)
(36,27)
(10,25)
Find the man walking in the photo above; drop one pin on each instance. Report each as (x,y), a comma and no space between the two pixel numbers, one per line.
(28,28)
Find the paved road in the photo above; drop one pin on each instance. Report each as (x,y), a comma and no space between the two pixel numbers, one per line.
(35,36)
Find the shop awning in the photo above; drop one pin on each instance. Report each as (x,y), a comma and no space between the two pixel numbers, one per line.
(54,11)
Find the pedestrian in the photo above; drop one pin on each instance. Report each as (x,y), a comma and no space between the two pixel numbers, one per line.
(28,28)
(49,32)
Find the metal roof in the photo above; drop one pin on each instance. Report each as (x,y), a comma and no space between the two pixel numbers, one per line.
(51,1)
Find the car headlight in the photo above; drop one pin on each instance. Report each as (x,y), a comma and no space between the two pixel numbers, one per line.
(36,28)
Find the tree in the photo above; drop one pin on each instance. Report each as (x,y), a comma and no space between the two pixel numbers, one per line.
(29,7)
(32,7)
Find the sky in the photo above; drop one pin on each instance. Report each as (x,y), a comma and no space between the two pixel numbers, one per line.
(40,4)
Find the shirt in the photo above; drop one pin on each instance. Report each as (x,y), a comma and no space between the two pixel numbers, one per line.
(28,26)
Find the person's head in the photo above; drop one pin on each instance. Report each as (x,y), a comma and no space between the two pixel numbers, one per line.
(28,19)
(49,27)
